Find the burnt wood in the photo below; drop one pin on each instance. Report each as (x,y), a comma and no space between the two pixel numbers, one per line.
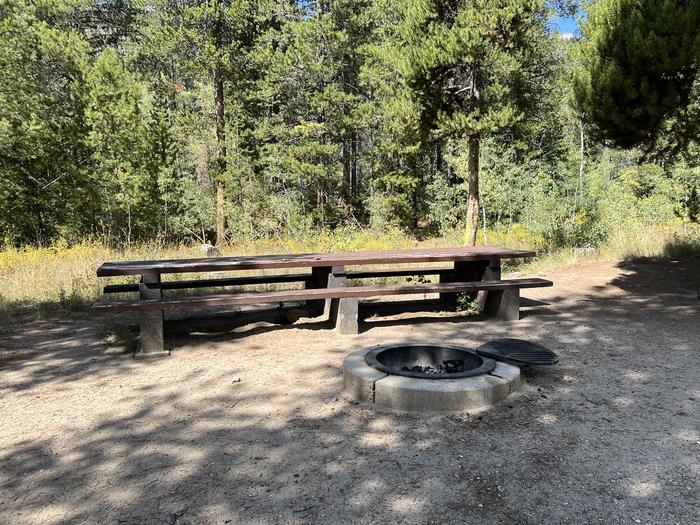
(309,260)
(317,294)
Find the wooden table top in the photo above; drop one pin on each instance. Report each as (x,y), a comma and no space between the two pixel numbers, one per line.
(309,260)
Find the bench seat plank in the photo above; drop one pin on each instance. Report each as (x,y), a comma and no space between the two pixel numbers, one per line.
(315,294)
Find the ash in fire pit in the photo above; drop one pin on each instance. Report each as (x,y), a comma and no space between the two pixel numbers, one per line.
(454,366)
(429,361)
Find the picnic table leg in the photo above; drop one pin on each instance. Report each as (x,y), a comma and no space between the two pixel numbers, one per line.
(491,273)
(342,313)
(502,304)
(464,271)
(150,343)
(319,279)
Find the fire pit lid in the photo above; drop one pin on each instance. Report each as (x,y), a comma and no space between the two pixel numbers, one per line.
(518,351)
(428,361)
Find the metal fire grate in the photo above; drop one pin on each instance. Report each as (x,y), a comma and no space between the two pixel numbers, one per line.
(429,361)
(518,351)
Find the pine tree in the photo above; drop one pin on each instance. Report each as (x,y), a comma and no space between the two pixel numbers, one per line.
(389,116)
(215,38)
(639,61)
(119,139)
(473,65)
(43,157)
(311,94)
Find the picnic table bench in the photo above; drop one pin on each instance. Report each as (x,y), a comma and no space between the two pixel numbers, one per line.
(326,290)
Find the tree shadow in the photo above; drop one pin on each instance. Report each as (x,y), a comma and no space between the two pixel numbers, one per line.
(661,280)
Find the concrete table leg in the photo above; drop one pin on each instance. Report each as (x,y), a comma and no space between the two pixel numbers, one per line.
(491,273)
(319,279)
(464,271)
(150,343)
(342,313)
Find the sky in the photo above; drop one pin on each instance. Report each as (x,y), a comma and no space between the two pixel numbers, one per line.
(566,26)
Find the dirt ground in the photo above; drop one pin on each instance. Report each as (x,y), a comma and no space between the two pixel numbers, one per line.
(247,424)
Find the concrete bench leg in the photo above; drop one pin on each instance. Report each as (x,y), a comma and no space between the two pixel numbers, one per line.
(503,304)
(150,343)
(151,335)
(343,315)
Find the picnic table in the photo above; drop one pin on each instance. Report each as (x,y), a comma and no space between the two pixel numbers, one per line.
(326,288)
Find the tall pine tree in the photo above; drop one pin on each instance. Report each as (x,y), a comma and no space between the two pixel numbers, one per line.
(639,62)
(473,65)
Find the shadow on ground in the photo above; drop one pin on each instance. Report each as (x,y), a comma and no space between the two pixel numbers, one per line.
(250,427)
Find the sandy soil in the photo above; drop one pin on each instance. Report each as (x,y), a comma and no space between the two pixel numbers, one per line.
(246,424)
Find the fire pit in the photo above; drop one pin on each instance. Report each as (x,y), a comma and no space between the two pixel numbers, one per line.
(429,361)
(426,377)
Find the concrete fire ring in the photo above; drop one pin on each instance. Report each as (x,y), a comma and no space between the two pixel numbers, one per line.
(361,382)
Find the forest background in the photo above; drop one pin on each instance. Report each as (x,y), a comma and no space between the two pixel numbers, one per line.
(132,127)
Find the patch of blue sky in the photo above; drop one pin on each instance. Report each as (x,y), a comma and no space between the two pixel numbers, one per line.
(567,26)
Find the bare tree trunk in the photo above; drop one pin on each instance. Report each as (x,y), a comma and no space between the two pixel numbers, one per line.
(321,202)
(347,178)
(582,159)
(220,214)
(474,144)
(473,207)
(353,169)
(220,155)
(201,169)
(438,157)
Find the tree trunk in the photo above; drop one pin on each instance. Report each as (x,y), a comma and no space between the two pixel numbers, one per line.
(220,155)
(347,179)
(321,202)
(438,157)
(582,160)
(473,207)
(201,168)
(353,169)
(474,143)
(220,214)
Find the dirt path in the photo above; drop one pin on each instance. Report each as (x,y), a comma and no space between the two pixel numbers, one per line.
(248,425)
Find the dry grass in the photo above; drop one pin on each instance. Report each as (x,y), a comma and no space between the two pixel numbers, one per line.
(628,244)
